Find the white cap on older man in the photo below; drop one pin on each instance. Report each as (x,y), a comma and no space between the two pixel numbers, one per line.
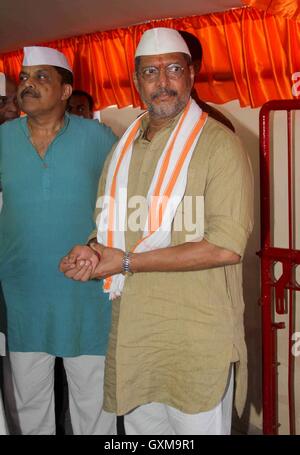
(40,55)
(2,84)
(161,40)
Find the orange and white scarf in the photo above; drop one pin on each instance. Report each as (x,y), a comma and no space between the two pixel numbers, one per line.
(165,193)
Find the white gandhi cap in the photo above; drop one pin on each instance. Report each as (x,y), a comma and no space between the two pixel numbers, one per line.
(161,40)
(40,55)
(2,84)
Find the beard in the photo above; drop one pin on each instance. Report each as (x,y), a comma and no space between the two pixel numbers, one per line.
(168,108)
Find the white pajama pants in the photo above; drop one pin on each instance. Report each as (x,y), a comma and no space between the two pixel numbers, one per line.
(3,429)
(29,394)
(157,418)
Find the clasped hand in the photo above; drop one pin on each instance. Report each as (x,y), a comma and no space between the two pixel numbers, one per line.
(95,261)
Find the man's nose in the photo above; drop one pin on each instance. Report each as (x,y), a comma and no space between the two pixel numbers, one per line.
(162,77)
(29,82)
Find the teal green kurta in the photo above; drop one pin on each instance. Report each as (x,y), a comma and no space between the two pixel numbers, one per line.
(48,207)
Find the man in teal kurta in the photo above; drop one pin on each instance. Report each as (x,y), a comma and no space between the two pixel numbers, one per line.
(48,205)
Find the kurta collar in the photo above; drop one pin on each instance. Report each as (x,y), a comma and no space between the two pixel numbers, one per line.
(61,131)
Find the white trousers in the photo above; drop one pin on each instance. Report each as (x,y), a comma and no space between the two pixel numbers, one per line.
(29,394)
(157,418)
(3,429)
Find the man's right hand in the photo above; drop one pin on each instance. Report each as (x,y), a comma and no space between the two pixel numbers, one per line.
(79,263)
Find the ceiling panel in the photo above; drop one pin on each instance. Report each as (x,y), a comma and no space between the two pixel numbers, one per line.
(35,21)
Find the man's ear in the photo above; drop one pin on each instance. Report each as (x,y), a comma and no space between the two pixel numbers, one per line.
(135,80)
(67,92)
(192,74)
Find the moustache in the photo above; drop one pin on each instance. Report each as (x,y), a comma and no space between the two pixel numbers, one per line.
(29,91)
(163,91)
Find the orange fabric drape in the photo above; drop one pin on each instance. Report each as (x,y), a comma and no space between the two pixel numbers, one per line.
(247,55)
(286,8)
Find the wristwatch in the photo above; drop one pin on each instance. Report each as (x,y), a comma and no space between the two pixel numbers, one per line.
(126,270)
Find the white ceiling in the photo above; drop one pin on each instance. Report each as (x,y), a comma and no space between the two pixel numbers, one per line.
(25,22)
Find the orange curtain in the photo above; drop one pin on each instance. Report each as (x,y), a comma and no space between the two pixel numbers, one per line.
(247,55)
(286,8)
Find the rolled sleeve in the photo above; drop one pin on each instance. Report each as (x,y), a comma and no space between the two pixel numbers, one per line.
(226,233)
(228,200)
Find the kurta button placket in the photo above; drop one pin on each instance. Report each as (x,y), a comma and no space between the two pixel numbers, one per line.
(46,176)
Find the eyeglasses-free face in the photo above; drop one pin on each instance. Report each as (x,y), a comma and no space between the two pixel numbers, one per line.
(8,104)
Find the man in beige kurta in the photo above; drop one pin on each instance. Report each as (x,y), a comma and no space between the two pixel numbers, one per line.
(177,328)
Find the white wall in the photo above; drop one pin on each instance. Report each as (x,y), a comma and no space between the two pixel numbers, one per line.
(280,210)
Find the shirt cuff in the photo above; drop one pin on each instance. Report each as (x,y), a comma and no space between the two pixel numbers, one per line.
(228,234)
(93,235)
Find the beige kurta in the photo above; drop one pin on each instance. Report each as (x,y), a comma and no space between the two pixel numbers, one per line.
(175,334)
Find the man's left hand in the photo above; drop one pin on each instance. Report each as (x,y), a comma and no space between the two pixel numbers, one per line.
(111,261)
